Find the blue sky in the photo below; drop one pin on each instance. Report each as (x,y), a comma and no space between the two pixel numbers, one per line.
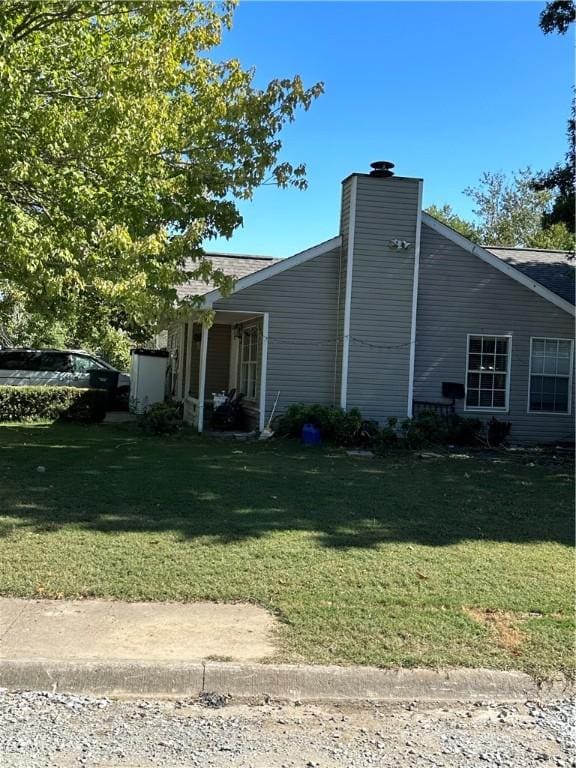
(445,90)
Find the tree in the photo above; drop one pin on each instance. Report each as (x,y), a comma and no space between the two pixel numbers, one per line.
(509,212)
(22,328)
(447,215)
(560,180)
(122,147)
(557,16)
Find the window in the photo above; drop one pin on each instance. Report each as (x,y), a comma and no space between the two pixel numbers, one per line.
(86,364)
(550,375)
(53,362)
(487,372)
(250,362)
(16,361)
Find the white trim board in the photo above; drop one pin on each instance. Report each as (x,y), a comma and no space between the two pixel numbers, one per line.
(494,261)
(275,269)
(348,293)
(263,370)
(569,376)
(415,279)
(202,377)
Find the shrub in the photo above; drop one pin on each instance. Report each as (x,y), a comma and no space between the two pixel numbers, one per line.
(161,419)
(51,403)
(388,435)
(427,428)
(462,430)
(336,425)
(430,428)
(497,431)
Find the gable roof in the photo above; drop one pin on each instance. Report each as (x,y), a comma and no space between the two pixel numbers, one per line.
(278,266)
(552,269)
(234,265)
(548,273)
(501,264)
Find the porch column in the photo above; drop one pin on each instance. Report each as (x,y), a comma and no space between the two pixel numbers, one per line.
(188,371)
(263,371)
(202,377)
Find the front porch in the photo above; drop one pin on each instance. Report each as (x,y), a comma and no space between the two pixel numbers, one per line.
(231,354)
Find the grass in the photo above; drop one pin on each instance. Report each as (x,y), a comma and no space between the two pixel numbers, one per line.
(395,561)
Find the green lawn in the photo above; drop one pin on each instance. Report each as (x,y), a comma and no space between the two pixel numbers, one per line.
(388,561)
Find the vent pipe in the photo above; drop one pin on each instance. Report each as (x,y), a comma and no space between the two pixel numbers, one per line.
(382,169)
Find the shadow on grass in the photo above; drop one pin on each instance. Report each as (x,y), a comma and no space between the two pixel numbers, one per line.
(116,481)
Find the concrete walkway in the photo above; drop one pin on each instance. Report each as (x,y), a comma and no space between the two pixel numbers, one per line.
(186,649)
(98,630)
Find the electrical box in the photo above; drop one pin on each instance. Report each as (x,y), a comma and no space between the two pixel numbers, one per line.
(148,371)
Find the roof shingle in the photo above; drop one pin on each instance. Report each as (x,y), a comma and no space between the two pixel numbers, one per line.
(235,266)
(552,269)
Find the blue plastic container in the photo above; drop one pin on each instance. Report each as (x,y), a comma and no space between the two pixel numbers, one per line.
(311,435)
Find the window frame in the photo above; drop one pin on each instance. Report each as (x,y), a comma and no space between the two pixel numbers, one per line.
(569,377)
(257,363)
(508,373)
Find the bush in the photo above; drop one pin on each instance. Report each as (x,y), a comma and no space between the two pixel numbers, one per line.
(51,403)
(462,430)
(497,431)
(336,425)
(161,419)
(430,428)
(388,435)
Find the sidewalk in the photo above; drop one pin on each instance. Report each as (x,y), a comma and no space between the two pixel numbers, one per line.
(108,631)
(181,650)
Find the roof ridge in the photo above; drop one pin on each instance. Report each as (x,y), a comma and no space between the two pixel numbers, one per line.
(241,255)
(518,248)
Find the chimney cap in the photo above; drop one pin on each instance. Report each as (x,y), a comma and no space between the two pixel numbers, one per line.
(382,168)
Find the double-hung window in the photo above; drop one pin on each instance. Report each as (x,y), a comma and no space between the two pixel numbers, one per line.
(250,362)
(550,375)
(488,373)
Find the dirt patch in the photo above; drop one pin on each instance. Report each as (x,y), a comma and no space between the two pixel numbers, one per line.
(503,625)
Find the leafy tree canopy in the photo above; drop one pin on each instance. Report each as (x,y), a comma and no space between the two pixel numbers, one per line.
(448,216)
(122,147)
(508,212)
(560,180)
(557,16)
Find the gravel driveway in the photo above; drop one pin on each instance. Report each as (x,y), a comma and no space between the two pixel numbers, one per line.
(43,729)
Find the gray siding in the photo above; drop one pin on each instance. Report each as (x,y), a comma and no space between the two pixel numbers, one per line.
(218,359)
(460,294)
(302,302)
(382,280)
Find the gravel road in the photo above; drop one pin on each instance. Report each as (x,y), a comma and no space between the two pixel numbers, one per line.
(44,729)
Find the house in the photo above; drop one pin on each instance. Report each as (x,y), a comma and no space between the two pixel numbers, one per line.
(382,317)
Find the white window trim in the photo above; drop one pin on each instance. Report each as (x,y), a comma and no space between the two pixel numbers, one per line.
(485,409)
(257,362)
(551,413)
